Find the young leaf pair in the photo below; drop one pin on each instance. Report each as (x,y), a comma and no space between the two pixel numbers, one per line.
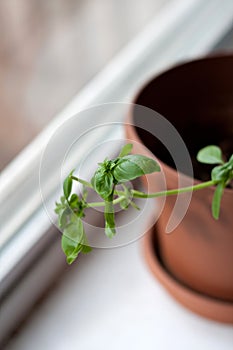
(221,174)
(116,172)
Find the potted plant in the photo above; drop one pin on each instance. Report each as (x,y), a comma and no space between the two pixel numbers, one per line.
(109,183)
(179,259)
(196,97)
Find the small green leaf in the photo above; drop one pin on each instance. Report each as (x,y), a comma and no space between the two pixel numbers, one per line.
(74,200)
(133,166)
(217,173)
(75,230)
(70,248)
(63,200)
(67,185)
(222,172)
(77,205)
(63,211)
(85,247)
(110,230)
(63,218)
(210,155)
(216,202)
(126,150)
(58,208)
(102,183)
(72,239)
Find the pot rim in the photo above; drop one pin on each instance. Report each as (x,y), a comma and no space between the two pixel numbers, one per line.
(179,65)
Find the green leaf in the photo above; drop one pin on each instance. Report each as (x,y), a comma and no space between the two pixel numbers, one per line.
(223,172)
(210,155)
(77,206)
(72,239)
(217,173)
(74,200)
(58,208)
(133,166)
(110,230)
(102,183)
(63,200)
(70,249)
(126,150)
(63,217)
(86,249)
(216,202)
(62,210)
(60,205)
(67,185)
(75,230)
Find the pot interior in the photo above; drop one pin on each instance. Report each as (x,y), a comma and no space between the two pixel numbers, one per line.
(197,98)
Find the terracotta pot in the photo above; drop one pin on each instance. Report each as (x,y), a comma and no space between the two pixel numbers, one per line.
(197,98)
(212,308)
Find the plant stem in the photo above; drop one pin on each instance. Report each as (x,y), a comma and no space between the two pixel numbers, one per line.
(138,194)
(81,181)
(102,204)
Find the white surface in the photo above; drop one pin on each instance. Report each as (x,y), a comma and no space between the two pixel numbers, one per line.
(110,300)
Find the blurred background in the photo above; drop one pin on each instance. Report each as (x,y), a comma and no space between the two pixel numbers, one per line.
(49,50)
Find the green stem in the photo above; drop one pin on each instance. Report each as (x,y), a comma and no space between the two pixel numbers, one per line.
(138,194)
(119,193)
(81,181)
(102,204)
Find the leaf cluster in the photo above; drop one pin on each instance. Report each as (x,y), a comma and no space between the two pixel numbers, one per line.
(70,211)
(114,174)
(126,167)
(221,174)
